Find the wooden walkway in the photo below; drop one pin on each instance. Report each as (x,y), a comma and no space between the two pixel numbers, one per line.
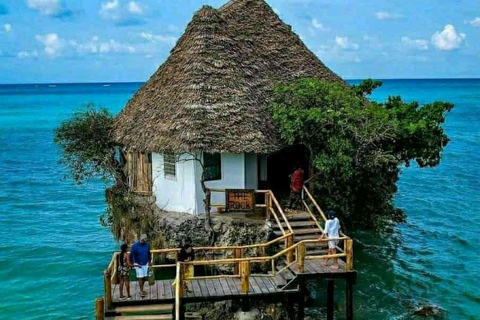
(226,288)
(202,289)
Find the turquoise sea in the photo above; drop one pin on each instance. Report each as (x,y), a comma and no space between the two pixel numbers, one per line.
(53,249)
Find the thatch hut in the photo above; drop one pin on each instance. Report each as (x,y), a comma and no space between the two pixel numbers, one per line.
(209,99)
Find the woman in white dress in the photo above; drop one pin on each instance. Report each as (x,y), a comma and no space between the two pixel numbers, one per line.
(331,231)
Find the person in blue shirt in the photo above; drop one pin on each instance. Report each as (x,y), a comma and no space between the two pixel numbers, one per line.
(141,258)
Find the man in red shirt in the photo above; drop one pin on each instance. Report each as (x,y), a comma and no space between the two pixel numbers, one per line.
(296,186)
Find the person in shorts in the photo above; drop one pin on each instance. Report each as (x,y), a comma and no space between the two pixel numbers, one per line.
(296,186)
(123,272)
(141,258)
(332,231)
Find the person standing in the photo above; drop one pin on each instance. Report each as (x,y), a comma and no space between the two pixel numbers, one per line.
(296,186)
(124,266)
(187,254)
(141,257)
(331,231)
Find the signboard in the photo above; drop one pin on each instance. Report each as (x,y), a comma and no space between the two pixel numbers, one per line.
(239,200)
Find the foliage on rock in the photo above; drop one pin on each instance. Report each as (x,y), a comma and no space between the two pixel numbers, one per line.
(87,146)
(358,146)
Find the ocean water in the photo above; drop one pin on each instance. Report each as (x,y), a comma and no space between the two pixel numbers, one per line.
(53,249)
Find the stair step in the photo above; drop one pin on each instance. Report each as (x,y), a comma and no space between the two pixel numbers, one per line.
(317,231)
(310,245)
(306,237)
(298,216)
(294,224)
(154,317)
(144,308)
(280,281)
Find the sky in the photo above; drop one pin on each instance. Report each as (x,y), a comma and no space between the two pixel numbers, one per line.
(57,41)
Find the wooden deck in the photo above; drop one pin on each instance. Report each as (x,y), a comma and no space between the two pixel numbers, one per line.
(200,290)
(228,288)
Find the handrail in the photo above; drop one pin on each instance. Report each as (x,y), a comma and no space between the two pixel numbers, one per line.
(315,203)
(275,201)
(318,208)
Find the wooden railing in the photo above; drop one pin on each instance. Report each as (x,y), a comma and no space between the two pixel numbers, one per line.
(271,205)
(306,195)
(297,252)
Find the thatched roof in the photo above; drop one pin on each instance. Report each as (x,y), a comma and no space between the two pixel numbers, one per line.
(212,93)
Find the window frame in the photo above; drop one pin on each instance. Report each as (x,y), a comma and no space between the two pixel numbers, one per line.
(206,166)
(169,166)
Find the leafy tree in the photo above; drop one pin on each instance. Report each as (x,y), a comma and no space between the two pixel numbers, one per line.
(357,146)
(88,149)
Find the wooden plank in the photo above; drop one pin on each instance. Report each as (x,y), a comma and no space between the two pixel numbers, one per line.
(144,308)
(204,288)
(234,285)
(196,288)
(154,291)
(254,286)
(258,284)
(269,284)
(225,287)
(210,287)
(154,317)
(170,289)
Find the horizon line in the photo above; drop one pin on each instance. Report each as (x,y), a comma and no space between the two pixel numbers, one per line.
(127,82)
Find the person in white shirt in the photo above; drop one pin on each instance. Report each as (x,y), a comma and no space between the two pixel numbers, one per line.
(331,231)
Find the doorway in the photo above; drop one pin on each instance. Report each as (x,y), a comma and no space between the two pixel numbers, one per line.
(275,170)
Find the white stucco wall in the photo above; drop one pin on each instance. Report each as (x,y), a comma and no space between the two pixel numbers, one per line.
(233,177)
(184,192)
(176,194)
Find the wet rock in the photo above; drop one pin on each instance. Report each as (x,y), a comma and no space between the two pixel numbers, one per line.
(428,310)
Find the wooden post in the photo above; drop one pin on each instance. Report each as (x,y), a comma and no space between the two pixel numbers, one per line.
(289,244)
(301,301)
(237,254)
(99,309)
(302,250)
(108,289)
(245,276)
(330,293)
(268,204)
(179,292)
(349,300)
(349,253)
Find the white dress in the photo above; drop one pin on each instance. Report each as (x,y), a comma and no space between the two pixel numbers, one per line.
(332,230)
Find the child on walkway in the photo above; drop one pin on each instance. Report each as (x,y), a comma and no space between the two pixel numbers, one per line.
(331,231)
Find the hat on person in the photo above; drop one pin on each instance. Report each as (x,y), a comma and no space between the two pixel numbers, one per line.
(143,236)
(331,214)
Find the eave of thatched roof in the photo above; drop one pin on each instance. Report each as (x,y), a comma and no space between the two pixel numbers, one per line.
(212,92)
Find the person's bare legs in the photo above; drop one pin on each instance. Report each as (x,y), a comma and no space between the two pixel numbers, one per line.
(127,284)
(335,260)
(326,260)
(141,282)
(121,280)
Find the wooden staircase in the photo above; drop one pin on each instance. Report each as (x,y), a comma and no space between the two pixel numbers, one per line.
(142,312)
(304,227)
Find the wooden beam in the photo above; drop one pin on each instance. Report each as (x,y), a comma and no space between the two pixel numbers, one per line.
(237,254)
(245,276)
(302,250)
(179,291)
(349,253)
(108,289)
(99,309)
(289,244)
(330,296)
(349,300)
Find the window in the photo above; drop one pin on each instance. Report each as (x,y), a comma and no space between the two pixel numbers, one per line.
(212,166)
(169,165)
